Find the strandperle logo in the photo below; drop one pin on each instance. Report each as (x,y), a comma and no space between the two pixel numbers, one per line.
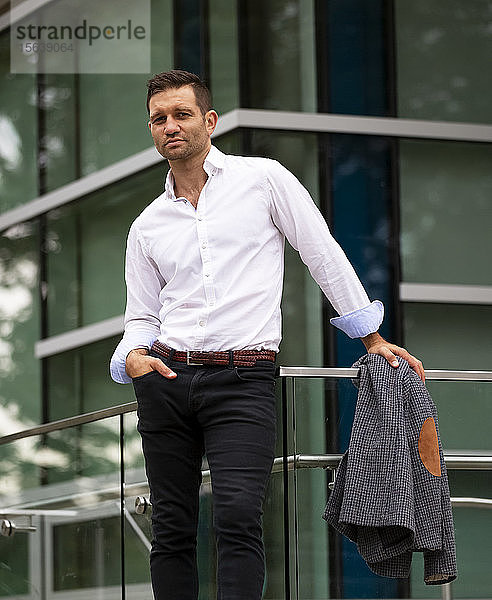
(84,31)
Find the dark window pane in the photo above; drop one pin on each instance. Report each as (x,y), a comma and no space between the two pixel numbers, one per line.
(278,58)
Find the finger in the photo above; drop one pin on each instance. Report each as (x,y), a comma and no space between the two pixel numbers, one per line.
(413,362)
(163,369)
(388,355)
(417,366)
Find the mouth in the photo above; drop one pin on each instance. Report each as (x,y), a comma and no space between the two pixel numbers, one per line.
(173,142)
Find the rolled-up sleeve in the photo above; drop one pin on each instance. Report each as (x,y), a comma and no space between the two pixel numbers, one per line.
(295,214)
(143,287)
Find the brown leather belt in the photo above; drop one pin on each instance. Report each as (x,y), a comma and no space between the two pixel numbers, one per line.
(233,358)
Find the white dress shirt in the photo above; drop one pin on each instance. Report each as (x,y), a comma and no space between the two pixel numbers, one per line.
(211,278)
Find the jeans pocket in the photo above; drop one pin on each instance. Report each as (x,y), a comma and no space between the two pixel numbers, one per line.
(261,371)
(145,375)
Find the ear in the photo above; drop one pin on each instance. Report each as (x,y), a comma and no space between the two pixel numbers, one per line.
(211,118)
(149,124)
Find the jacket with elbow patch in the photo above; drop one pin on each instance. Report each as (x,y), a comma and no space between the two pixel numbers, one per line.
(391,494)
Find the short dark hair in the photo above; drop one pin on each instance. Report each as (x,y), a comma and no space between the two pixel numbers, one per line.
(175,79)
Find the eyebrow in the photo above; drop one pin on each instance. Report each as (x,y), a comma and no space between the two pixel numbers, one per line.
(159,113)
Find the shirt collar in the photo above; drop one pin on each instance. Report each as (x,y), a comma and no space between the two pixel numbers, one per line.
(212,163)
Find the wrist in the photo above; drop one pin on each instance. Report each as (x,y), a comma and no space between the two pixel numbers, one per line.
(141,351)
(371,339)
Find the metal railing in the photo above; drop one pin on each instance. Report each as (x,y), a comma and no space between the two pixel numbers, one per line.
(287,462)
(284,372)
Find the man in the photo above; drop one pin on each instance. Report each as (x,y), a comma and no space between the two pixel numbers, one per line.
(204,271)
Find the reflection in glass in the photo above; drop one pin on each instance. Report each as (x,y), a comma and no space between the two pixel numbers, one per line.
(449,336)
(73,477)
(224,46)
(445,191)
(14,566)
(301,301)
(19,328)
(18,127)
(86,251)
(279,36)
(443,51)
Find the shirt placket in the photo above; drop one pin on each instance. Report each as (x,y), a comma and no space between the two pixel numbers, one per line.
(207,268)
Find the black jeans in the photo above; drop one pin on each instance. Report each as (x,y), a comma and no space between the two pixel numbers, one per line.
(228,413)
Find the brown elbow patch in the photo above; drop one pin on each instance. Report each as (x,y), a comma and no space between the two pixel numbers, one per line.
(429,447)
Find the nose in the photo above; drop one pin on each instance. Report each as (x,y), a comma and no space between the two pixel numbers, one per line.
(171,126)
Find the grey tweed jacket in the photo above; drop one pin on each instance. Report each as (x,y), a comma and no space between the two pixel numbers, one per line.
(391,494)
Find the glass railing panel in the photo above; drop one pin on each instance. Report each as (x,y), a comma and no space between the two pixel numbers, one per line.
(465,411)
(328,565)
(67,493)
(311,435)
(273,535)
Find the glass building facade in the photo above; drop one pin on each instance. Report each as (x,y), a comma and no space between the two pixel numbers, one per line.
(382,109)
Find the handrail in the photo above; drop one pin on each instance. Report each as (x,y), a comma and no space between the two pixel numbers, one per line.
(91,417)
(294,461)
(430,374)
(327,372)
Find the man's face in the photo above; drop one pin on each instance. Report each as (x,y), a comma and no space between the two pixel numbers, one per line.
(178,127)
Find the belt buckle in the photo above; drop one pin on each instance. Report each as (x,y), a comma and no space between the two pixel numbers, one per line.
(188,361)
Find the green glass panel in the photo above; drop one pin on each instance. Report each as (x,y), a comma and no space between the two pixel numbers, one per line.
(451,337)
(445,191)
(224,46)
(73,476)
(60,151)
(86,251)
(448,336)
(230,143)
(310,494)
(79,381)
(91,120)
(274,586)
(19,468)
(473,531)
(443,51)
(86,554)
(14,565)
(302,298)
(20,373)
(18,127)
(113,115)
(90,450)
(279,59)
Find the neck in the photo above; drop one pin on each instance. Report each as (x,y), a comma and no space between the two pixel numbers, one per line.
(189,175)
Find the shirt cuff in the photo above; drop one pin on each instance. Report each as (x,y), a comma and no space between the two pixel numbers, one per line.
(118,360)
(361,322)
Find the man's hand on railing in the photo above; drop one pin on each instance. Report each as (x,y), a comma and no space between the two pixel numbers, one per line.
(375,344)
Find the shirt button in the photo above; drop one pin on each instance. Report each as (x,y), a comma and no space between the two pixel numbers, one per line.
(207,274)
(204,245)
(201,323)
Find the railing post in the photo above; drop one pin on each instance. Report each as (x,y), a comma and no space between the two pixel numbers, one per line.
(285,452)
(447,592)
